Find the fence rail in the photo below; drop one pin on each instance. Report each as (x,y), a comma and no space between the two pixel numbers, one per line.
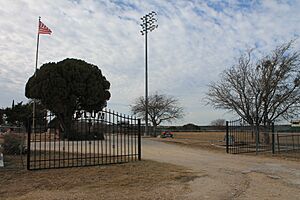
(287,144)
(243,138)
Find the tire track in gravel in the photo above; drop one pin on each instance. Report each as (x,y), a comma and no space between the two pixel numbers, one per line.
(226,176)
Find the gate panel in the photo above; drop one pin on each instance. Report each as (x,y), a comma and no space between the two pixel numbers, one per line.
(92,139)
(244,138)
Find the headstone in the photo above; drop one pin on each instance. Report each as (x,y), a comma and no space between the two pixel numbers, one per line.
(1,160)
(231,139)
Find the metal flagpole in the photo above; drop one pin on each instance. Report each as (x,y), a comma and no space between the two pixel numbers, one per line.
(36,63)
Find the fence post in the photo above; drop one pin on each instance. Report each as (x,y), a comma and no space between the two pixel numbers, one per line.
(227,137)
(139,140)
(28,144)
(257,132)
(293,142)
(273,139)
(278,144)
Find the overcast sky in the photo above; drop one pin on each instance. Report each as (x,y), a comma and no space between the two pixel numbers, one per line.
(195,41)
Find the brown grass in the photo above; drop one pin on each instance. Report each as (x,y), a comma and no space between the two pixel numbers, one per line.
(206,140)
(202,136)
(139,180)
(214,141)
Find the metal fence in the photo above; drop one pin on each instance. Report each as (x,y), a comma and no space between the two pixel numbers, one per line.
(244,138)
(99,138)
(287,144)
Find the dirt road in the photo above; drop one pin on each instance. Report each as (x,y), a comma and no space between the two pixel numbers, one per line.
(224,176)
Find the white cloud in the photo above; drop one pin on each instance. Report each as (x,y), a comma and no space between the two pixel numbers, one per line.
(194,42)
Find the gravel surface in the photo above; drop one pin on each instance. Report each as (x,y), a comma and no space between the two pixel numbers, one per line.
(226,176)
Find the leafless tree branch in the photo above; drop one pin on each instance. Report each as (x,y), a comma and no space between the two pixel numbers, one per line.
(160,108)
(263,92)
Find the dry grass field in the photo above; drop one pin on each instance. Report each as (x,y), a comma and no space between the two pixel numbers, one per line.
(201,136)
(207,140)
(214,141)
(138,180)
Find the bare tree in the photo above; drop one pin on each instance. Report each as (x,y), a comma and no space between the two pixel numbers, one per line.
(160,108)
(263,91)
(218,122)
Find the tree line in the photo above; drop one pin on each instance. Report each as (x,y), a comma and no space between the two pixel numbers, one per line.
(259,90)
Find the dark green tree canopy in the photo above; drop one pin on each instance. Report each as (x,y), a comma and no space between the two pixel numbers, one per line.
(1,116)
(18,114)
(69,85)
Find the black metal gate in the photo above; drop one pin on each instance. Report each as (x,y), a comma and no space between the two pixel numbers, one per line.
(287,144)
(244,138)
(92,139)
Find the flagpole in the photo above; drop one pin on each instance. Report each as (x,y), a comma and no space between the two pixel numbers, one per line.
(37,48)
(36,63)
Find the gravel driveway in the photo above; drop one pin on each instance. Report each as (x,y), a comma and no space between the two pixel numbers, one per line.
(226,176)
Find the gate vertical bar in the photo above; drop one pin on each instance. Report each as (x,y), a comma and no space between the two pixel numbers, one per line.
(273,139)
(40,150)
(227,135)
(257,138)
(103,133)
(119,128)
(117,135)
(50,140)
(139,140)
(278,144)
(77,132)
(128,139)
(131,137)
(293,141)
(28,144)
(124,132)
(113,137)
(109,132)
(54,146)
(135,134)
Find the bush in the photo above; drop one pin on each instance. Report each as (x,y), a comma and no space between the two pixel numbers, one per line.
(93,135)
(13,144)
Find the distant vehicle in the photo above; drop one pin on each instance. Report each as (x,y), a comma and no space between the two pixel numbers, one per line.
(167,134)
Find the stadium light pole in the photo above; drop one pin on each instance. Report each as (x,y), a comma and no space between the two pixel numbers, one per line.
(148,24)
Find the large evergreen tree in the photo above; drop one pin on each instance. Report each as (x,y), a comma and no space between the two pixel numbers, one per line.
(67,86)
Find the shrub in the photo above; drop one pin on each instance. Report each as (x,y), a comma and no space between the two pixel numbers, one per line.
(13,144)
(93,135)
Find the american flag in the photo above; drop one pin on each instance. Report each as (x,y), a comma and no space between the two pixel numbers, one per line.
(43,29)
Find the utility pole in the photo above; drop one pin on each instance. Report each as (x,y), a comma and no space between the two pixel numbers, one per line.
(148,24)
